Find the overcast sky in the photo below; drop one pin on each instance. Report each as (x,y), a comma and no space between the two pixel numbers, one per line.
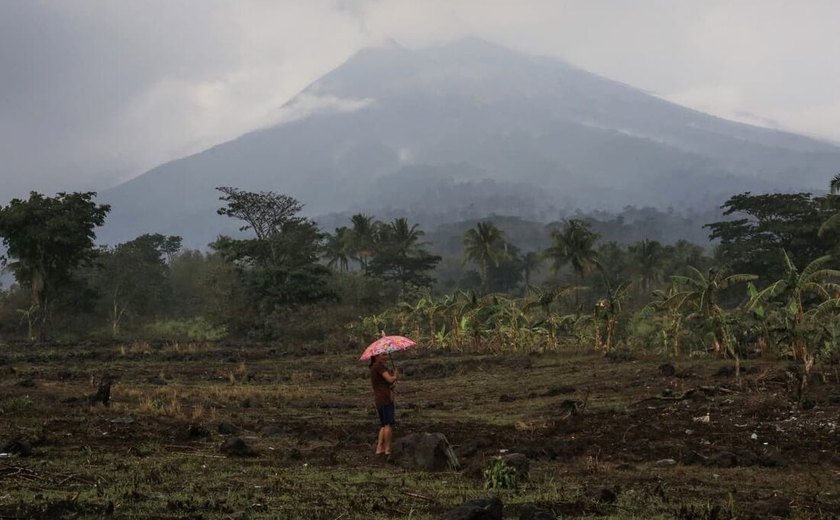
(95,92)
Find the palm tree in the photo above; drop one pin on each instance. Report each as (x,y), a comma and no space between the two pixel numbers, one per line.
(648,255)
(531,262)
(362,237)
(338,249)
(574,245)
(834,185)
(484,245)
(403,238)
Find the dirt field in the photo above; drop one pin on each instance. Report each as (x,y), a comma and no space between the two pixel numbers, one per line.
(606,438)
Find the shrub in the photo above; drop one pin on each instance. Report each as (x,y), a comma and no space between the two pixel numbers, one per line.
(499,475)
(196,329)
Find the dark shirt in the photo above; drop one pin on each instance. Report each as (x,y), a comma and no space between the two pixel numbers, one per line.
(382,393)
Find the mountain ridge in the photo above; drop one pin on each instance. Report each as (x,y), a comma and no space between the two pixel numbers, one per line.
(472,111)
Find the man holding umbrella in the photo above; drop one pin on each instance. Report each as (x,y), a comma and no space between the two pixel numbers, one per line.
(382,380)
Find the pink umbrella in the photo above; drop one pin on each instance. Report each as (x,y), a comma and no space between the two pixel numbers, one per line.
(386,344)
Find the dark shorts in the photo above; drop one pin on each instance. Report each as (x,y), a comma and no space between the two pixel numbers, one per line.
(387,414)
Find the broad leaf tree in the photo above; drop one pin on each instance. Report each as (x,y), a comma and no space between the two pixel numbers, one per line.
(767,224)
(278,268)
(135,277)
(46,239)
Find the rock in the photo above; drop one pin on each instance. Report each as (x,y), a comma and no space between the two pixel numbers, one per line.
(424,451)
(602,494)
(271,430)
(196,431)
(727,371)
(519,462)
(693,458)
(227,428)
(618,356)
(18,447)
(747,458)
(479,509)
(723,459)
(237,447)
(667,370)
(772,460)
(665,462)
(532,512)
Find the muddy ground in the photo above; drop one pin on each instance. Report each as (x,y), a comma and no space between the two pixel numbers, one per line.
(624,436)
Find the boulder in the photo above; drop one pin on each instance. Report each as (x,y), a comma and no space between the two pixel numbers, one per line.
(271,430)
(603,494)
(227,428)
(519,462)
(424,451)
(479,509)
(196,431)
(237,447)
(667,370)
(723,459)
(693,458)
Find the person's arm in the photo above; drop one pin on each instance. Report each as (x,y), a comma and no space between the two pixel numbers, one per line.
(389,377)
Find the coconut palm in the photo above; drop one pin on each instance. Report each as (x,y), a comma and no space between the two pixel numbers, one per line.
(401,237)
(338,249)
(834,185)
(363,232)
(648,255)
(484,245)
(574,245)
(531,262)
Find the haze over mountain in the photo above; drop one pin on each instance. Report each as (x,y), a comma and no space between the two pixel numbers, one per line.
(466,129)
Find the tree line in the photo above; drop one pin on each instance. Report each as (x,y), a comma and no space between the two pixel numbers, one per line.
(768,283)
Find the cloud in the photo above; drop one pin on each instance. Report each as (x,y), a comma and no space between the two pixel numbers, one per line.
(92,92)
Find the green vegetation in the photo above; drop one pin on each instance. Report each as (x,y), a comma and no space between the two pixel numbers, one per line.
(770,286)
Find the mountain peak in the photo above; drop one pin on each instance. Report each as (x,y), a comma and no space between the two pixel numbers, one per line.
(481,116)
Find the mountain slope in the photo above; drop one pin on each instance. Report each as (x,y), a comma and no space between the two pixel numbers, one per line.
(505,130)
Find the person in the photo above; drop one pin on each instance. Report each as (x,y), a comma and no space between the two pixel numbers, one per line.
(382,380)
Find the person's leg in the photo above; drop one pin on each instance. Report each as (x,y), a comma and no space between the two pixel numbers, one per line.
(388,432)
(380,441)
(388,420)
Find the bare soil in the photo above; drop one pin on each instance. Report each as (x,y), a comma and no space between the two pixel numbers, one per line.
(606,437)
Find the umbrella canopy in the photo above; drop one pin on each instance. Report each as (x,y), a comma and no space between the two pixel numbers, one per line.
(386,344)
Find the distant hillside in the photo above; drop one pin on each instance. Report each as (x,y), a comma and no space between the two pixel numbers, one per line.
(461,130)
